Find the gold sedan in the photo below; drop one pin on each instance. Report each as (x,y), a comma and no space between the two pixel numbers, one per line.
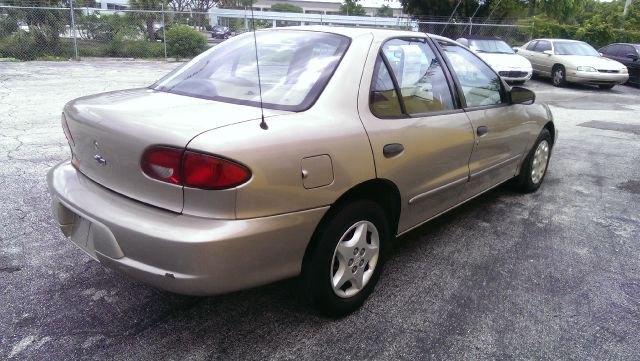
(307,157)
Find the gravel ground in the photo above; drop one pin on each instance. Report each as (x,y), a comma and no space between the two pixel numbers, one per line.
(551,275)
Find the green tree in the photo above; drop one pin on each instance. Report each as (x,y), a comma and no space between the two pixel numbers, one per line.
(147,19)
(184,42)
(466,8)
(384,11)
(351,7)
(286,8)
(45,24)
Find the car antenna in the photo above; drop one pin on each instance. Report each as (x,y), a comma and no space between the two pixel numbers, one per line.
(263,124)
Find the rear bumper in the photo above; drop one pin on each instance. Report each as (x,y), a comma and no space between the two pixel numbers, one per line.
(592,78)
(176,252)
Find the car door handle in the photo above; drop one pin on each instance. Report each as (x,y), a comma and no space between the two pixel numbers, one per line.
(482,130)
(393,149)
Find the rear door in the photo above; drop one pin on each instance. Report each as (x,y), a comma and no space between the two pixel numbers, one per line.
(545,61)
(501,129)
(420,138)
(531,55)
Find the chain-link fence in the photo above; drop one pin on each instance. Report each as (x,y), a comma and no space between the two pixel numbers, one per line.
(513,34)
(28,33)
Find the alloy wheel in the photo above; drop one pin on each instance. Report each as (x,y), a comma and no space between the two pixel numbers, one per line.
(558,77)
(354,259)
(540,161)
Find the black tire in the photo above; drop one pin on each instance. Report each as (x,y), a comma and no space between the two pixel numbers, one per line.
(525,181)
(606,87)
(317,266)
(559,76)
(518,82)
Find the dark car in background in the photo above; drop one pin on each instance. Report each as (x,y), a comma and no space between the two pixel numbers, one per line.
(220,32)
(627,54)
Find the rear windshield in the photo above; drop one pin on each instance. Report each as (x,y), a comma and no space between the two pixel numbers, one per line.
(490,46)
(294,68)
(574,48)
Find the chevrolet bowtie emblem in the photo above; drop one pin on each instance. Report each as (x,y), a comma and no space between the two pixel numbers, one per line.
(99,159)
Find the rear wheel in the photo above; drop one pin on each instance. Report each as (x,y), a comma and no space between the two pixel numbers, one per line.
(558,76)
(607,86)
(343,267)
(535,165)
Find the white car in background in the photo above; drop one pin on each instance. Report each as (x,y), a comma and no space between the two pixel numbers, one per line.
(500,56)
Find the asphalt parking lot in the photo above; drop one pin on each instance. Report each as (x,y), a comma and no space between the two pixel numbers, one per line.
(552,275)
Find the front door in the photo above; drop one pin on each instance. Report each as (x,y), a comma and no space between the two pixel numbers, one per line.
(421,141)
(501,129)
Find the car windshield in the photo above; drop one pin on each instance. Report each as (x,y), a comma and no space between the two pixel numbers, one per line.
(294,68)
(490,46)
(574,48)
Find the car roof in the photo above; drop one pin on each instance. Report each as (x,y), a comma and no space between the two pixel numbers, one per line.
(479,37)
(567,40)
(353,32)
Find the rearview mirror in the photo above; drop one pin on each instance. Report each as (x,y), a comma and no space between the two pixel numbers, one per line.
(548,52)
(519,95)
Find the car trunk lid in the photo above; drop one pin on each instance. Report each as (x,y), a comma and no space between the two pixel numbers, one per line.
(111,132)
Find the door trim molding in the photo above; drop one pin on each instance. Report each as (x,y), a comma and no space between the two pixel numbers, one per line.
(478,173)
(438,189)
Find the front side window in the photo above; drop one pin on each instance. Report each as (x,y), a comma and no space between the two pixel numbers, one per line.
(628,49)
(574,48)
(418,74)
(481,85)
(294,68)
(532,45)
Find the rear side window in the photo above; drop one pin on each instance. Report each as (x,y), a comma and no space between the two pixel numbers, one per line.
(294,69)
(384,98)
(418,75)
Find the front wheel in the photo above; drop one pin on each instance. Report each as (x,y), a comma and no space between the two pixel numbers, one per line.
(343,267)
(606,86)
(558,76)
(535,165)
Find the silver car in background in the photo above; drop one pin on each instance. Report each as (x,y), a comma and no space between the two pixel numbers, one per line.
(571,61)
(215,179)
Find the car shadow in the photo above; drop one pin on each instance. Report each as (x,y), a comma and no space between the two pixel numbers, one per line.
(123,311)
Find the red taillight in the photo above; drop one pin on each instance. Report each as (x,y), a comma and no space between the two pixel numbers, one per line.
(193,169)
(208,172)
(163,163)
(67,132)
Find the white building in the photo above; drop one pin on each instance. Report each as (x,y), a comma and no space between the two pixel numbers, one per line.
(331,7)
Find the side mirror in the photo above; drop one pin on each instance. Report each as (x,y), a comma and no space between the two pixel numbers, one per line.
(600,54)
(548,52)
(519,95)
(632,56)
(515,49)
